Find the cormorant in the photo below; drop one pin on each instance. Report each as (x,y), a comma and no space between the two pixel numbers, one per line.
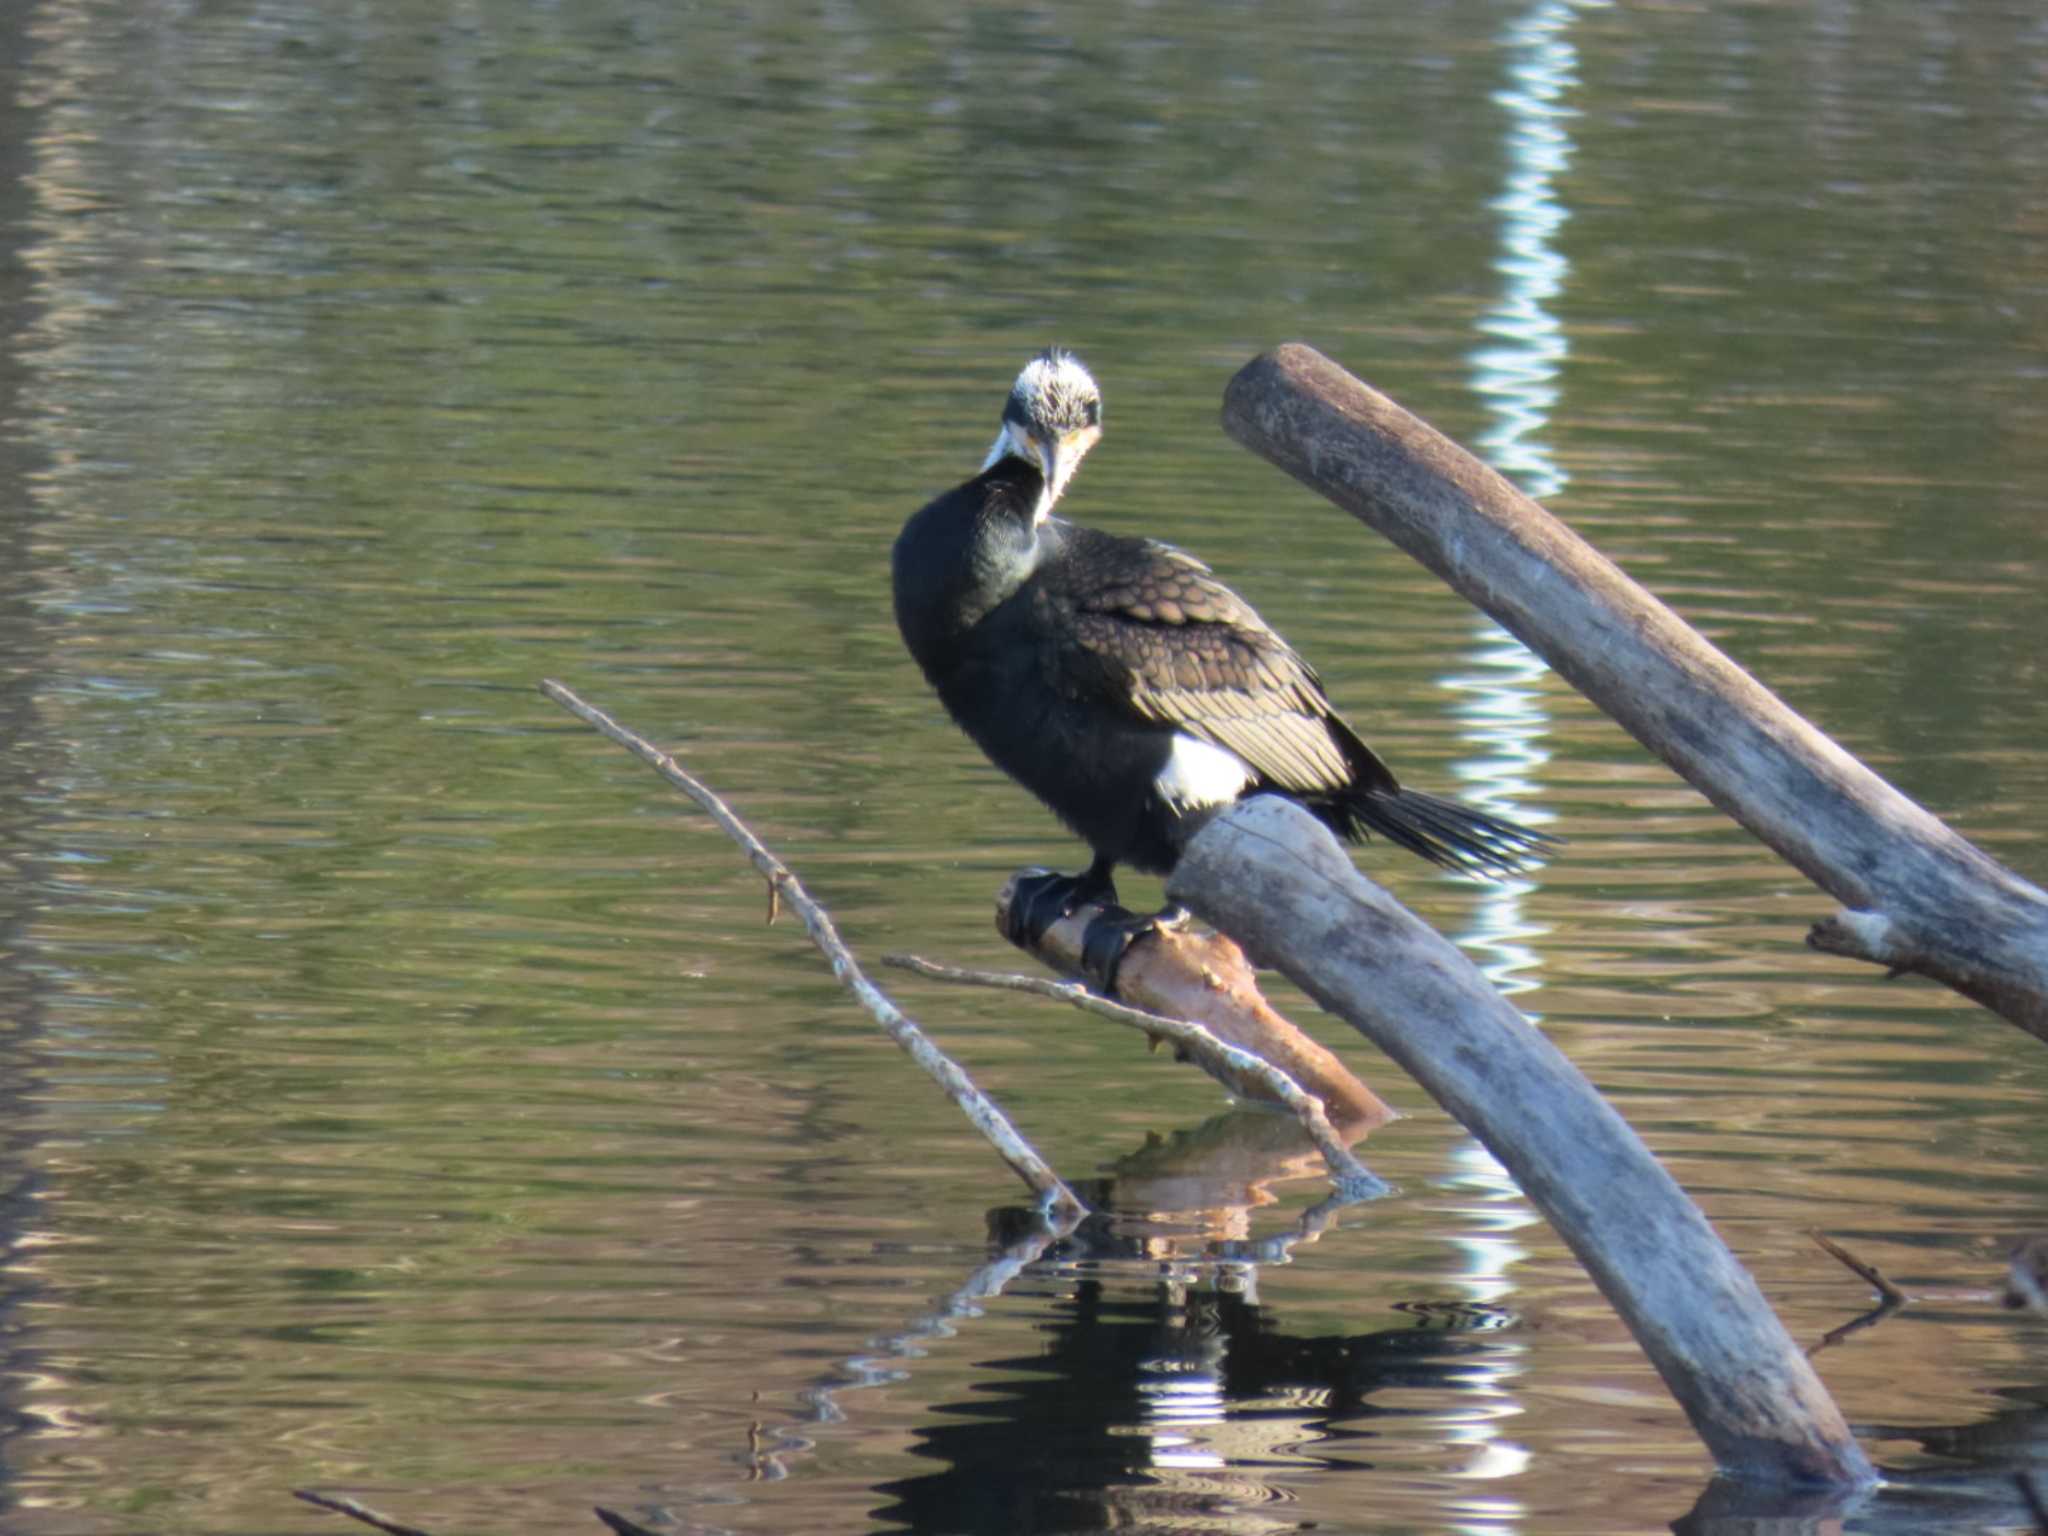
(1123,684)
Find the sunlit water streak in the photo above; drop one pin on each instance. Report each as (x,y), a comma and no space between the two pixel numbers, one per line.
(1499,698)
(1516,376)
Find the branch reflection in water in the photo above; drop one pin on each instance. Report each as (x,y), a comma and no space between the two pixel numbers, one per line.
(1166,1384)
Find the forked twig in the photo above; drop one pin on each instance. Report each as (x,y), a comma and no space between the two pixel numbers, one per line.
(784,887)
(1219,1059)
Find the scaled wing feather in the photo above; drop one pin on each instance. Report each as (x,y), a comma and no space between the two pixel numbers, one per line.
(1181,649)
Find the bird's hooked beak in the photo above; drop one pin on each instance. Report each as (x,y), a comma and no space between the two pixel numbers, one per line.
(1058,457)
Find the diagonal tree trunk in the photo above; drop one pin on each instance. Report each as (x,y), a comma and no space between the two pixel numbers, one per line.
(1916,896)
(1270,875)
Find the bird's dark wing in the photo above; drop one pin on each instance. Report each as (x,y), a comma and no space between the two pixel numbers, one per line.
(1149,628)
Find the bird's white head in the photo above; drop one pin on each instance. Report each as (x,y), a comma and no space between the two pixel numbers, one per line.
(1050,421)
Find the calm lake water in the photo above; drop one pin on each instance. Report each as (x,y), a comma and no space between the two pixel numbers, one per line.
(404,1097)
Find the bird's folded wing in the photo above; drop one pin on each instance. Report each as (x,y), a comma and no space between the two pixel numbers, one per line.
(1176,647)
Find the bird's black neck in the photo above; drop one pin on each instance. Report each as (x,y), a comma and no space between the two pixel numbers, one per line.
(1010,488)
(965,553)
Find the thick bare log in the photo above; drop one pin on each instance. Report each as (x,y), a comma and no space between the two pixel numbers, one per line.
(1271,875)
(1917,896)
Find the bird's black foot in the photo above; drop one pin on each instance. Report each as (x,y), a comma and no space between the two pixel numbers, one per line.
(1039,901)
(1109,939)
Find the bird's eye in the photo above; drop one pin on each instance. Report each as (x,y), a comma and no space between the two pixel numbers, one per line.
(1092,413)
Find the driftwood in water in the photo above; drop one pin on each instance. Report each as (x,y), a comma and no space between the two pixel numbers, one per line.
(1272,875)
(1204,979)
(1916,896)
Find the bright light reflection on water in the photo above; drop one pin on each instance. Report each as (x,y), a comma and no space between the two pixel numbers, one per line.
(1498,689)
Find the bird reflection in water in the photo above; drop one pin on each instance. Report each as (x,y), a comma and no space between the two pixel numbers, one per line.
(1167,1390)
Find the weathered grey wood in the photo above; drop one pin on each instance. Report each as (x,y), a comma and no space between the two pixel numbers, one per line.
(1918,897)
(1273,877)
(1059,1202)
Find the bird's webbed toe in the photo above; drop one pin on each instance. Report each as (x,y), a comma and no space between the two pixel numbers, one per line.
(1038,901)
(1109,939)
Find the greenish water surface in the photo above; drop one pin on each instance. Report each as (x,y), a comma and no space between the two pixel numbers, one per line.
(404,1097)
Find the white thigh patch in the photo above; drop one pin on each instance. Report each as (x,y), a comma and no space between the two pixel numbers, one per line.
(1198,774)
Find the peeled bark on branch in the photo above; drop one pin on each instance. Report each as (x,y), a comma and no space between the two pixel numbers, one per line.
(1271,875)
(1203,979)
(1916,896)
(1243,1072)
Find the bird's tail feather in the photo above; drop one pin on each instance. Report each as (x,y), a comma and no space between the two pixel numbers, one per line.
(1444,832)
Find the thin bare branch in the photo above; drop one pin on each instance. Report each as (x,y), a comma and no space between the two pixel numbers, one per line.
(1226,1063)
(620,1523)
(355,1511)
(1890,1294)
(785,888)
